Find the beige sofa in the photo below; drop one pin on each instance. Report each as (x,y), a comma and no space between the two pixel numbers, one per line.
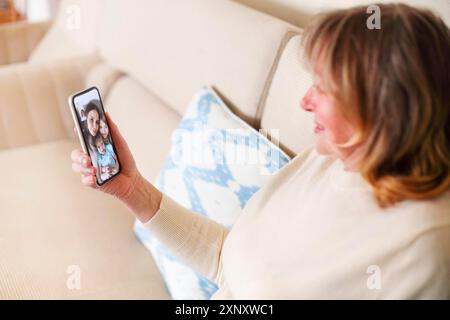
(148,61)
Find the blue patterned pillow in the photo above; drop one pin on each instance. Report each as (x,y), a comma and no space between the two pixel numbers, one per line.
(216,163)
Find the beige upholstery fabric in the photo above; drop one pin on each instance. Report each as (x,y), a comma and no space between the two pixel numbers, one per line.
(50,222)
(17,40)
(178,46)
(282,108)
(33,104)
(102,76)
(145,121)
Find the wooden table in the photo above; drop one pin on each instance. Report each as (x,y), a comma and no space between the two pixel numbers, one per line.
(8,12)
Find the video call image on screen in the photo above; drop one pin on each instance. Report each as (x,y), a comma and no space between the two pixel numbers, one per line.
(96,134)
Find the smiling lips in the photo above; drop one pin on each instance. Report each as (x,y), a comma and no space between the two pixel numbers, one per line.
(318,128)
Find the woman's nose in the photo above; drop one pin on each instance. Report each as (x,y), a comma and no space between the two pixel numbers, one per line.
(306,102)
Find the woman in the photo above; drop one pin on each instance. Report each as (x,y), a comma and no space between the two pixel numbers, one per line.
(364,214)
(92,124)
(104,131)
(92,129)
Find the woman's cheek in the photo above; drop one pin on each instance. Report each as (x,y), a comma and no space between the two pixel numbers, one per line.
(341,133)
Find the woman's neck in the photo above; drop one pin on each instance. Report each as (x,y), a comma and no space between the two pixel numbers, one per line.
(349,161)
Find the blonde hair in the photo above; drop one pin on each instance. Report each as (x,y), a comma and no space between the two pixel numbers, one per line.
(392,84)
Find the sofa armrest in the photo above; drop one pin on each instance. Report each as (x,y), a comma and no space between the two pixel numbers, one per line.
(33,104)
(17,40)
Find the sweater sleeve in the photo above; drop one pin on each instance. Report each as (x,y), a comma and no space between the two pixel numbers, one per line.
(192,238)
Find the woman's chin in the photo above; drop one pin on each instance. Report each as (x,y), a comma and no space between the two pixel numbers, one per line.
(322,147)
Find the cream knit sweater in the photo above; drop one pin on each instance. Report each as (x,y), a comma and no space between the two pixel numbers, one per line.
(315,231)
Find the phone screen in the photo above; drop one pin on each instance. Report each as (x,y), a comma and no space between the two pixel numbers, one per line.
(96,134)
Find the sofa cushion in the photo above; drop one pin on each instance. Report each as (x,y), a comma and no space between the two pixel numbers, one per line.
(216,163)
(282,109)
(145,122)
(174,53)
(33,103)
(102,76)
(17,40)
(53,229)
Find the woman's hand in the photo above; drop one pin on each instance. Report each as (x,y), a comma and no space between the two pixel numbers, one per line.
(128,186)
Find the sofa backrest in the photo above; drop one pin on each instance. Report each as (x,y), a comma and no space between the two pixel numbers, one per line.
(281,115)
(174,47)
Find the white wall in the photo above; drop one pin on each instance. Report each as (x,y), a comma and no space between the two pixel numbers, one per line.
(298,12)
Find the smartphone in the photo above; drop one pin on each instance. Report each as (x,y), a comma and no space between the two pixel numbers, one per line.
(94,133)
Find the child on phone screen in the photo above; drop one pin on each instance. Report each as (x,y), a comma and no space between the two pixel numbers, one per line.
(104,130)
(106,159)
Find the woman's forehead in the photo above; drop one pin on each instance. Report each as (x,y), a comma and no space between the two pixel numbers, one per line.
(93,113)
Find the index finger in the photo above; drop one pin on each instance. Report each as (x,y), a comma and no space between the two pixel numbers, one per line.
(79,156)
